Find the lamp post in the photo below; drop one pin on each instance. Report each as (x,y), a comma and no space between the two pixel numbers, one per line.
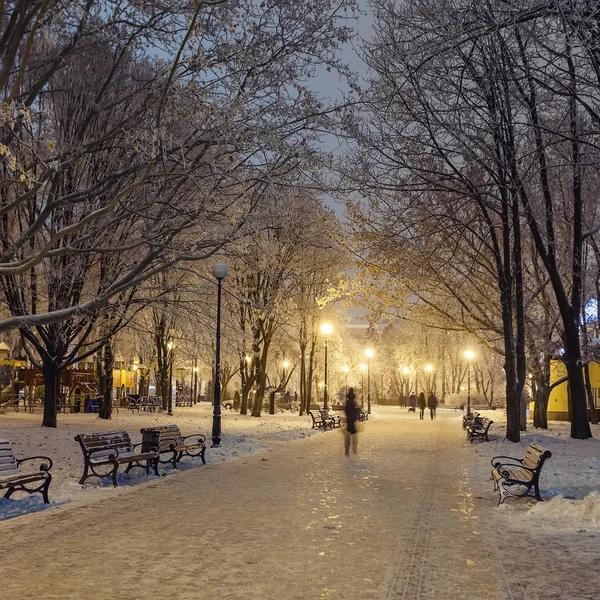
(469,355)
(346,371)
(369,354)
(170,346)
(219,271)
(428,369)
(135,387)
(195,384)
(362,368)
(326,330)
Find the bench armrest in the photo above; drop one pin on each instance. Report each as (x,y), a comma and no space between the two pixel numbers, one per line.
(153,447)
(90,453)
(494,460)
(45,466)
(200,436)
(507,474)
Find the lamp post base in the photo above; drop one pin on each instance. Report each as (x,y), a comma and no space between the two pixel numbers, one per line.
(216,432)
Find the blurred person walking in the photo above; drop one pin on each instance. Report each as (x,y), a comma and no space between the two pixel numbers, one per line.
(422,404)
(412,402)
(351,433)
(432,404)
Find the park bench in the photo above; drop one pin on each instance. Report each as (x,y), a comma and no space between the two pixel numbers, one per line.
(183,400)
(317,420)
(134,404)
(516,477)
(13,478)
(11,403)
(363,415)
(333,419)
(169,440)
(469,419)
(113,449)
(478,429)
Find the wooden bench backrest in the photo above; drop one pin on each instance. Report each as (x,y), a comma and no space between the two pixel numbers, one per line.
(167,434)
(535,456)
(316,416)
(8,462)
(102,443)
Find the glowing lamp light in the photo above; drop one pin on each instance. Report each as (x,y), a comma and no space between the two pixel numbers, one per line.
(469,354)
(363,367)
(462,388)
(286,364)
(369,353)
(196,369)
(346,369)
(428,368)
(135,368)
(405,370)
(326,328)
(170,345)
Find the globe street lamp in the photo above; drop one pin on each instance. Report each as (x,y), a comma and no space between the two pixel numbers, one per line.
(170,346)
(326,330)
(369,353)
(219,271)
(346,371)
(362,368)
(469,355)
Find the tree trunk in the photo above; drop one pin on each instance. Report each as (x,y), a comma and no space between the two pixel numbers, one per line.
(271,403)
(51,389)
(580,424)
(541,396)
(590,395)
(106,403)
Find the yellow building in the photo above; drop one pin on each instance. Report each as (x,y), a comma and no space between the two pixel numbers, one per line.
(558,404)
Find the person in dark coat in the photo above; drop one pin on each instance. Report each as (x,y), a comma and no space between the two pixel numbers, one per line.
(432,404)
(412,402)
(351,434)
(422,404)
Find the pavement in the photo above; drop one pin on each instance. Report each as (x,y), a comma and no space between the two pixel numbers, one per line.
(400,520)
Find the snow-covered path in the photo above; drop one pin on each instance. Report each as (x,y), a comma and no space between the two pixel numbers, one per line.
(402,520)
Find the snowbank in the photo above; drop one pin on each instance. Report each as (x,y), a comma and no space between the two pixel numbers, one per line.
(241,435)
(570,479)
(569,513)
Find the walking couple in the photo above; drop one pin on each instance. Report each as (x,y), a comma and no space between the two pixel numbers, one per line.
(431,404)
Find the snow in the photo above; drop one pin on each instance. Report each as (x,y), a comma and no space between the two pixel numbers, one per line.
(241,435)
(570,479)
(413,515)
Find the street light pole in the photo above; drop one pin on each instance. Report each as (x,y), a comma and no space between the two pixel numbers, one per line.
(346,371)
(219,271)
(326,329)
(469,355)
(369,354)
(170,405)
(195,399)
(362,368)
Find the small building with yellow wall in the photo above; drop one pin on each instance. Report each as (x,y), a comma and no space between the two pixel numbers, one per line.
(558,403)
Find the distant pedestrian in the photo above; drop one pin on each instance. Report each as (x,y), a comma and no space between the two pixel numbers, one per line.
(422,405)
(351,433)
(412,402)
(432,404)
